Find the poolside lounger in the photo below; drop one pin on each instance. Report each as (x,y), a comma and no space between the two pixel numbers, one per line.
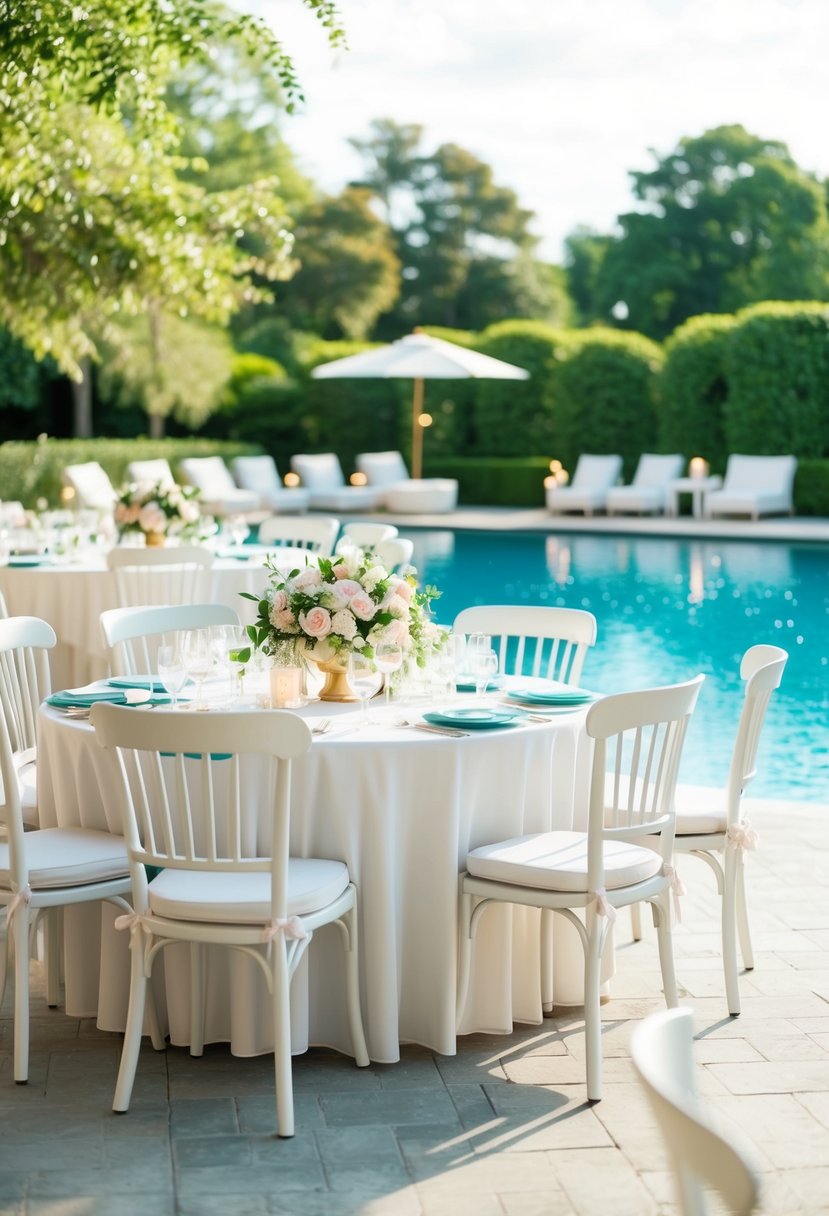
(321,474)
(260,475)
(589,488)
(648,492)
(403,494)
(755,486)
(218,493)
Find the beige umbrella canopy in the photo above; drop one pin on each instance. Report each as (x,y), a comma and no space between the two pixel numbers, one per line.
(418,357)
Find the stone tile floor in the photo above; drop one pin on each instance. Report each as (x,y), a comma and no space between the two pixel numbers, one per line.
(500,1129)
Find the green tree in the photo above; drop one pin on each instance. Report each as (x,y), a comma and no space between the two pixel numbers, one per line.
(584,253)
(95,221)
(725,220)
(463,241)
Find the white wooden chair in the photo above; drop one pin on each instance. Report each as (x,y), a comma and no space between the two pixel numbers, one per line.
(133,635)
(188,815)
(648,492)
(176,575)
(638,739)
(365,534)
(218,492)
(317,534)
(321,474)
(92,486)
(552,641)
(710,823)
(259,475)
(394,552)
(41,870)
(755,486)
(151,473)
(588,490)
(700,1156)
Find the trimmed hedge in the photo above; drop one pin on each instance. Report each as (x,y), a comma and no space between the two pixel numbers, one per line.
(495,482)
(513,417)
(30,471)
(693,387)
(811,488)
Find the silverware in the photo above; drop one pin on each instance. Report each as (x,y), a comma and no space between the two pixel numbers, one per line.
(322,727)
(451,731)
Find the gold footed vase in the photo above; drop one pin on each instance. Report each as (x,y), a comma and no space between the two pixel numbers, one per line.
(154,538)
(336,686)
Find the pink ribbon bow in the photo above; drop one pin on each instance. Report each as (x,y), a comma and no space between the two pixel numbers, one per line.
(291,926)
(743,836)
(677,888)
(604,907)
(17,901)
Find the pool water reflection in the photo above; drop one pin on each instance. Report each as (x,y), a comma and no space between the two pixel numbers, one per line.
(667,609)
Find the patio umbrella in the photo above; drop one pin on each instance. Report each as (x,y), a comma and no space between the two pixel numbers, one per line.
(418,357)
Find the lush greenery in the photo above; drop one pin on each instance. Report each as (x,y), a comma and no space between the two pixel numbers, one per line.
(693,387)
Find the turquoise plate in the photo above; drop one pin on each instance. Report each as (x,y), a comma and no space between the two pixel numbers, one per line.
(473,718)
(573,697)
(467,683)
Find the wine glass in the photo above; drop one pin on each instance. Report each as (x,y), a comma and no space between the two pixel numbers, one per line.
(362,677)
(238,529)
(388,658)
(199,661)
(483,665)
(171,671)
(238,648)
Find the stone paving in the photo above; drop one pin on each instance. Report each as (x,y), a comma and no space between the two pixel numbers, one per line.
(500,1129)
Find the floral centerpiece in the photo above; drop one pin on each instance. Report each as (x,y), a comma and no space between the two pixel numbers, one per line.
(333,606)
(160,511)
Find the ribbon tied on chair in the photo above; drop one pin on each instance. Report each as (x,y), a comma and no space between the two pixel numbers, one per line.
(17,901)
(677,888)
(742,836)
(133,921)
(291,926)
(604,907)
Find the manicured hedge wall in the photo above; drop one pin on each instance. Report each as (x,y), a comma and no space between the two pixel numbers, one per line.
(30,471)
(811,488)
(494,481)
(693,387)
(514,417)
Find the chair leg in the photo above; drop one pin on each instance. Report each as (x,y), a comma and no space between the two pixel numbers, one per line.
(135,1024)
(21,995)
(592,1009)
(464,951)
(282,1041)
(636,921)
(662,916)
(547,932)
(743,929)
(52,934)
(5,953)
(352,992)
(197,982)
(729,931)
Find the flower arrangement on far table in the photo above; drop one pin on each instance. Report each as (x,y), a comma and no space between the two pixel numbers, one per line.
(335,605)
(161,511)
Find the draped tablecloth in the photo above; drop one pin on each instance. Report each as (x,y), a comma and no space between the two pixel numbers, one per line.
(401,808)
(72,597)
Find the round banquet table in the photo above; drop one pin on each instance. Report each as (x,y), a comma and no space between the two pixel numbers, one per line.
(72,596)
(401,807)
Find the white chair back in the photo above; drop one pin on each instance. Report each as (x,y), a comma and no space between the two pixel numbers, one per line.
(762,668)
(91,484)
(318,471)
(596,472)
(382,468)
(151,473)
(655,471)
(256,473)
(24,683)
(395,552)
(133,635)
(318,534)
(531,640)
(210,475)
(662,1056)
(365,534)
(178,575)
(765,474)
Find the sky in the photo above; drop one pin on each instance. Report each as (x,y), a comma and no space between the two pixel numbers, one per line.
(563,98)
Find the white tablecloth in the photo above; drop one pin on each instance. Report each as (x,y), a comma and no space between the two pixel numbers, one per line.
(401,808)
(72,597)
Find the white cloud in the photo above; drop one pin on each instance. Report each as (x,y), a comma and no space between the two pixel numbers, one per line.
(562,99)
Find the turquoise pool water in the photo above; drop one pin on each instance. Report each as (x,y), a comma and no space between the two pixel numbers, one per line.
(667,609)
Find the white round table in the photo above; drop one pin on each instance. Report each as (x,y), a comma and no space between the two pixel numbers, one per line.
(402,808)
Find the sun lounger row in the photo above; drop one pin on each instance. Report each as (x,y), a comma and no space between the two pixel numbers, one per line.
(753,486)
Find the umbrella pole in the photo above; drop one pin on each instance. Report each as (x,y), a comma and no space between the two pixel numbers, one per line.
(417,429)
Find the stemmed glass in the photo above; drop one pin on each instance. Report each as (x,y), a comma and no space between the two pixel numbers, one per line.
(237,529)
(482,662)
(362,677)
(171,671)
(199,661)
(388,658)
(238,653)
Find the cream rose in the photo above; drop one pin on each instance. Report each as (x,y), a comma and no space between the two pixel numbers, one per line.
(363,606)
(316,623)
(309,577)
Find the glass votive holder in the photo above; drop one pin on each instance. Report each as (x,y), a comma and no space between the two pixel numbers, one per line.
(286,687)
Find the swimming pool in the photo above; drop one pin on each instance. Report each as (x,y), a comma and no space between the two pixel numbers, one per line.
(667,609)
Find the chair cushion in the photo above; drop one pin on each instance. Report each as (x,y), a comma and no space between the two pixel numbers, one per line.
(700,811)
(432,495)
(245,898)
(382,468)
(68,857)
(557,861)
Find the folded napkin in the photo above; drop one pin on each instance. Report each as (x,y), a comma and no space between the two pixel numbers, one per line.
(77,698)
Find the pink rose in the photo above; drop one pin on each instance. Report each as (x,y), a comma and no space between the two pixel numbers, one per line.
(316,623)
(404,590)
(363,606)
(349,587)
(152,518)
(279,601)
(309,577)
(396,631)
(341,570)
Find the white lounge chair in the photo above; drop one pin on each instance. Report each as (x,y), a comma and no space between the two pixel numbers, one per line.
(403,494)
(92,486)
(755,486)
(322,476)
(589,488)
(259,475)
(648,492)
(151,473)
(218,492)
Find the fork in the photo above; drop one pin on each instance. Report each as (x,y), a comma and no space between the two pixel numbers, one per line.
(321,727)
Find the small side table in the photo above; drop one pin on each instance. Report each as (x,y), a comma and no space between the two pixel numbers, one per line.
(697,487)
